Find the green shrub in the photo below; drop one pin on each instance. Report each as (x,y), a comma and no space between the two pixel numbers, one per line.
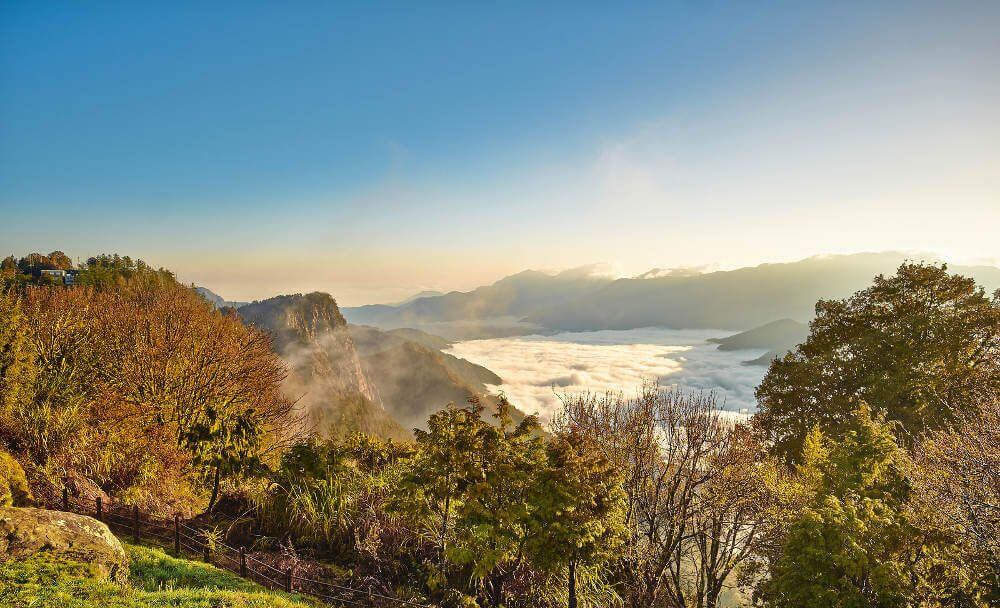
(14,490)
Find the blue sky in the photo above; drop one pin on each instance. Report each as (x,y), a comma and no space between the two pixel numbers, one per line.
(374,149)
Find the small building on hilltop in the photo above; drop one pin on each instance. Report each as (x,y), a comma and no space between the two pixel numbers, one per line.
(66,277)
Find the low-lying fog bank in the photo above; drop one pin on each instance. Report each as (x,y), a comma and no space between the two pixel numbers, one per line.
(537,370)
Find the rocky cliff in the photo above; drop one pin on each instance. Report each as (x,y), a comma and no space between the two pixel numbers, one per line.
(325,372)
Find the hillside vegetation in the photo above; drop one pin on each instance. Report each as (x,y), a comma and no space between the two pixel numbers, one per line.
(156,579)
(132,385)
(868,478)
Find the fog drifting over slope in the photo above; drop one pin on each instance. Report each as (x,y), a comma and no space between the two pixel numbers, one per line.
(537,370)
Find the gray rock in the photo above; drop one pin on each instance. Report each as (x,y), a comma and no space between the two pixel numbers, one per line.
(27,531)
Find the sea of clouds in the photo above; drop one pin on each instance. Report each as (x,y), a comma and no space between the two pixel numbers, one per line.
(538,370)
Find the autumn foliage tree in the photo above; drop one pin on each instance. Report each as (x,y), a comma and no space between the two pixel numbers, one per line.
(957,497)
(138,385)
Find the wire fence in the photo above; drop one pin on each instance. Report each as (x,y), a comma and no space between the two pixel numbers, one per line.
(187,538)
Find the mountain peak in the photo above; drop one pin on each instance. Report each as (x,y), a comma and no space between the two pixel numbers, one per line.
(296,317)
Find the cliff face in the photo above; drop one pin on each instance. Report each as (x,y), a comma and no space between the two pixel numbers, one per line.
(325,372)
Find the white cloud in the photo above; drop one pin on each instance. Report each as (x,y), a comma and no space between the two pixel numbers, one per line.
(536,370)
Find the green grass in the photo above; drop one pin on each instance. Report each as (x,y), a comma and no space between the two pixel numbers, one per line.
(156,579)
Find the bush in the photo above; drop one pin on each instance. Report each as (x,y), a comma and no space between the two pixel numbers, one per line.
(14,490)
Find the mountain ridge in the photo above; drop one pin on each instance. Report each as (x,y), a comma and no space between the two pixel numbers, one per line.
(782,334)
(736,299)
(512,296)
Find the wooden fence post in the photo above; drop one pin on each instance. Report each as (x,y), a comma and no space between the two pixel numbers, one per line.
(136,533)
(100,509)
(177,534)
(288,581)
(65,498)
(243,563)
(207,553)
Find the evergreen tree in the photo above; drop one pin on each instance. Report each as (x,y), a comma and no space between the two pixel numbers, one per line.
(446,464)
(580,508)
(494,522)
(849,547)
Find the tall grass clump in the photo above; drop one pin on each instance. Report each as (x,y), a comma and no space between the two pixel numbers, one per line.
(333,497)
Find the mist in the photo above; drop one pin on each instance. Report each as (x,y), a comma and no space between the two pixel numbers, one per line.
(537,371)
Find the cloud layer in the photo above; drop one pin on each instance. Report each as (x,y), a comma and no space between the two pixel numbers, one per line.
(537,370)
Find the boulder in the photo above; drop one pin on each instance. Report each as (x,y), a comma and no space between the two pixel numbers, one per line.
(27,531)
(14,489)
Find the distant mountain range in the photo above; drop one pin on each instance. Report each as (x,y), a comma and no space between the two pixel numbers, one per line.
(427,293)
(576,300)
(511,298)
(382,374)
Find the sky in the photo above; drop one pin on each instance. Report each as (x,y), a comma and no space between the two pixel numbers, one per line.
(373,150)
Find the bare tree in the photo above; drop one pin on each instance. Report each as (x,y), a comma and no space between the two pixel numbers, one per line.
(699,491)
(957,482)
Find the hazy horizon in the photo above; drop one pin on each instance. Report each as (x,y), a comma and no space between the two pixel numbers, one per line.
(396,294)
(393,295)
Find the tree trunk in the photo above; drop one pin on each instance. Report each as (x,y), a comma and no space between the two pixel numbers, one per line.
(712,598)
(444,531)
(498,591)
(572,583)
(215,492)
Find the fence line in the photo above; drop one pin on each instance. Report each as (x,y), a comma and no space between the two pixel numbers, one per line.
(185,537)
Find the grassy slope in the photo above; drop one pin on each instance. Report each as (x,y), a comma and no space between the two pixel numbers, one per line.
(156,579)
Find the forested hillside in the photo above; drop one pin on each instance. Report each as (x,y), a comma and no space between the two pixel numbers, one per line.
(129,384)
(869,477)
(414,377)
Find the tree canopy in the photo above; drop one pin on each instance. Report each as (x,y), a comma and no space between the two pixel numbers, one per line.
(137,385)
(921,347)
(848,546)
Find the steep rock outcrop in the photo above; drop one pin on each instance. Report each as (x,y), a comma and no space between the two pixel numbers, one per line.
(325,372)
